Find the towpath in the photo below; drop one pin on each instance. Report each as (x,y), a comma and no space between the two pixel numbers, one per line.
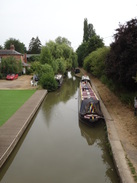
(122,129)
(13,129)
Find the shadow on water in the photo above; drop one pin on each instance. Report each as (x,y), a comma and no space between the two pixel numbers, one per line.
(95,135)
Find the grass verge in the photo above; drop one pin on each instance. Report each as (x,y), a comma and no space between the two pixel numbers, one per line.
(132,169)
(11,101)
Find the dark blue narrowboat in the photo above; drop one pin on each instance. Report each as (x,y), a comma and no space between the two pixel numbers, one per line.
(89,104)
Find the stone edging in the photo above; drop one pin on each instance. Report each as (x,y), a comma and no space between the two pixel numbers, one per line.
(118,152)
(13,129)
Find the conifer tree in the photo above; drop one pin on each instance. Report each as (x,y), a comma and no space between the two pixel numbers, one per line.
(34,46)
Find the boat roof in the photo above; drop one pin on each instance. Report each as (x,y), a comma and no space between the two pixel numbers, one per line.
(85,78)
(58,76)
(87,91)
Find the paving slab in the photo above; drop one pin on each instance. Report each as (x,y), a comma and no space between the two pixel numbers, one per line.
(12,130)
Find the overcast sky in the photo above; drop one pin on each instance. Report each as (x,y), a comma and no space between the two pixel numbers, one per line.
(48,19)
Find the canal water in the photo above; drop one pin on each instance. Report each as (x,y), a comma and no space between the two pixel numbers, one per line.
(57,148)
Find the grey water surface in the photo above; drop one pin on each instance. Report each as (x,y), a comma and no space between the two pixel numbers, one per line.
(57,148)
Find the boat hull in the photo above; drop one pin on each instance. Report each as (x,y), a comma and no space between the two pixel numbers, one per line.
(59,79)
(89,121)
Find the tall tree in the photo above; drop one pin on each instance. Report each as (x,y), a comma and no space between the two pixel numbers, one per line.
(94,43)
(91,42)
(34,46)
(91,31)
(88,31)
(20,47)
(85,35)
(81,53)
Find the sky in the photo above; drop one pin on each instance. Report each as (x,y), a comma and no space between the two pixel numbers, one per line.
(48,19)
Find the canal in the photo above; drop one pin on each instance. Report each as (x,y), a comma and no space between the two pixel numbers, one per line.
(57,148)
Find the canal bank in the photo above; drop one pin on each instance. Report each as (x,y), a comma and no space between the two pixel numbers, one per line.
(12,130)
(119,155)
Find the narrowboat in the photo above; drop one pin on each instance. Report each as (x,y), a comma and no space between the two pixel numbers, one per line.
(89,104)
(59,79)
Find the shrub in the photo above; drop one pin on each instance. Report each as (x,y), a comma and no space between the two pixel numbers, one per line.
(87,63)
(48,82)
(10,65)
(29,71)
(95,62)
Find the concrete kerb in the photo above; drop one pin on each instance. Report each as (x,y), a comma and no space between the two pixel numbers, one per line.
(25,123)
(118,152)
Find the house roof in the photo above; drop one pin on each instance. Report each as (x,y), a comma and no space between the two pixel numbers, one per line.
(30,55)
(9,52)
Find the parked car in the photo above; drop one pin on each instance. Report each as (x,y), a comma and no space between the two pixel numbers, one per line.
(12,76)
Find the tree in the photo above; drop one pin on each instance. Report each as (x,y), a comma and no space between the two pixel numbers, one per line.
(121,64)
(48,82)
(94,43)
(45,68)
(10,65)
(81,53)
(45,56)
(95,61)
(62,40)
(73,59)
(88,31)
(61,65)
(91,31)
(20,47)
(90,43)
(85,35)
(36,67)
(34,46)
(58,50)
(55,49)
(46,76)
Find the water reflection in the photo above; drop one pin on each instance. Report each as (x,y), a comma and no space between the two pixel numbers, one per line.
(63,94)
(92,134)
(95,136)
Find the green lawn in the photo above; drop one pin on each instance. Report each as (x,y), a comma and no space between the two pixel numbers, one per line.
(11,101)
